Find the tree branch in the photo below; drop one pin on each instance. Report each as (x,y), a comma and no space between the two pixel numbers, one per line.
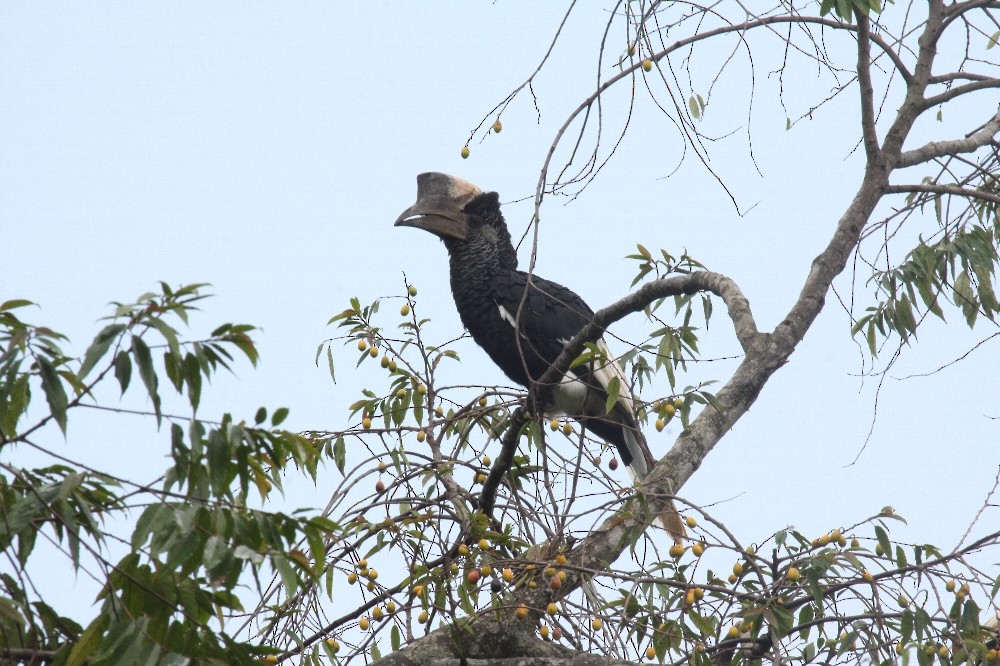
(954,190)
(958,91)
(872,150)
(936,149)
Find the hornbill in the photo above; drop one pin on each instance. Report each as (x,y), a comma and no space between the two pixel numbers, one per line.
(489,293)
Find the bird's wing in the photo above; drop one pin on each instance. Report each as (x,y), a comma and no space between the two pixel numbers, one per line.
(551,316)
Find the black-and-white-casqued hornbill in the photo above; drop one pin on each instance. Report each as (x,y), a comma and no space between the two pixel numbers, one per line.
(489,292)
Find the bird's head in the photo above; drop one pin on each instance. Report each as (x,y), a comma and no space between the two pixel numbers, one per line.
(462,215)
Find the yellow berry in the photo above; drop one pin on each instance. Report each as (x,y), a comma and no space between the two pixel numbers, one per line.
(690,598)
(793,574)
(732,578)
(596,623)
(899,648)
(421,389)
(418,590)
(697,549)
(678,403)
(521,612)
(553,425)
(750,550)
(669,410)
(270,660)
(423,617)
(903,601)
(676,551)
(363,624)
(647,65)
(867,576)
(362,564)
(377,613)
(824,540)
(544,631)
(352,578)
(497,126)
(463,550)
(362,345)
(412,290)
(334,645)
(484,544)
(561,576)
(561,559)
(650,651)
(507,575)
(691,521)
(855,543)
(372,574)
(738,568)
(385,362)
(699,593)
(552,608)
(943,651)
(482,401)
(391,607)
(421,435)
(950,586)
(733,633)
(405,310)
(373,352)
(486,570)
(481,478)
(660,425)
(486,461)
(567,428)
(370,586)
(465,152)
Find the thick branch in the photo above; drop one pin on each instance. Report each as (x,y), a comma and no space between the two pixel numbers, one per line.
(723,287)
(872,150)
(936,149)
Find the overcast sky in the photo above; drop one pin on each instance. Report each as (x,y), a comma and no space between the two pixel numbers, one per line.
(267,148)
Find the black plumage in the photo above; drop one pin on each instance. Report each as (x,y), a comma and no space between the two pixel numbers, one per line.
(489,293)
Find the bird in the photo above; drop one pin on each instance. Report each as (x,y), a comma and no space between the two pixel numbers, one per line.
(489,293)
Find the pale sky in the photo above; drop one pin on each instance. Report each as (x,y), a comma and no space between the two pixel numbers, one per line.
(267,148)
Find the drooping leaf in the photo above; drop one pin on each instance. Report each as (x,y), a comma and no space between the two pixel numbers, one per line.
(55,392)
(99,347)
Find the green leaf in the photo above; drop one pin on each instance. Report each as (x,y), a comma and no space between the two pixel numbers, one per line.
(123,369)
(883,540)
(144,359)
(990,43)
(99,347)
(280,414)
(14,304)
(613,389)
(340,453)
(260,416)
(693,106)
(88,642)
(55,392)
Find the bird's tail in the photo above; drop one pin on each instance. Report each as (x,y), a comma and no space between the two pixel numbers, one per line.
(642,462)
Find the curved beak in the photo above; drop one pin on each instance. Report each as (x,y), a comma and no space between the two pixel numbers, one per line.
(444,222)
(440,201)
